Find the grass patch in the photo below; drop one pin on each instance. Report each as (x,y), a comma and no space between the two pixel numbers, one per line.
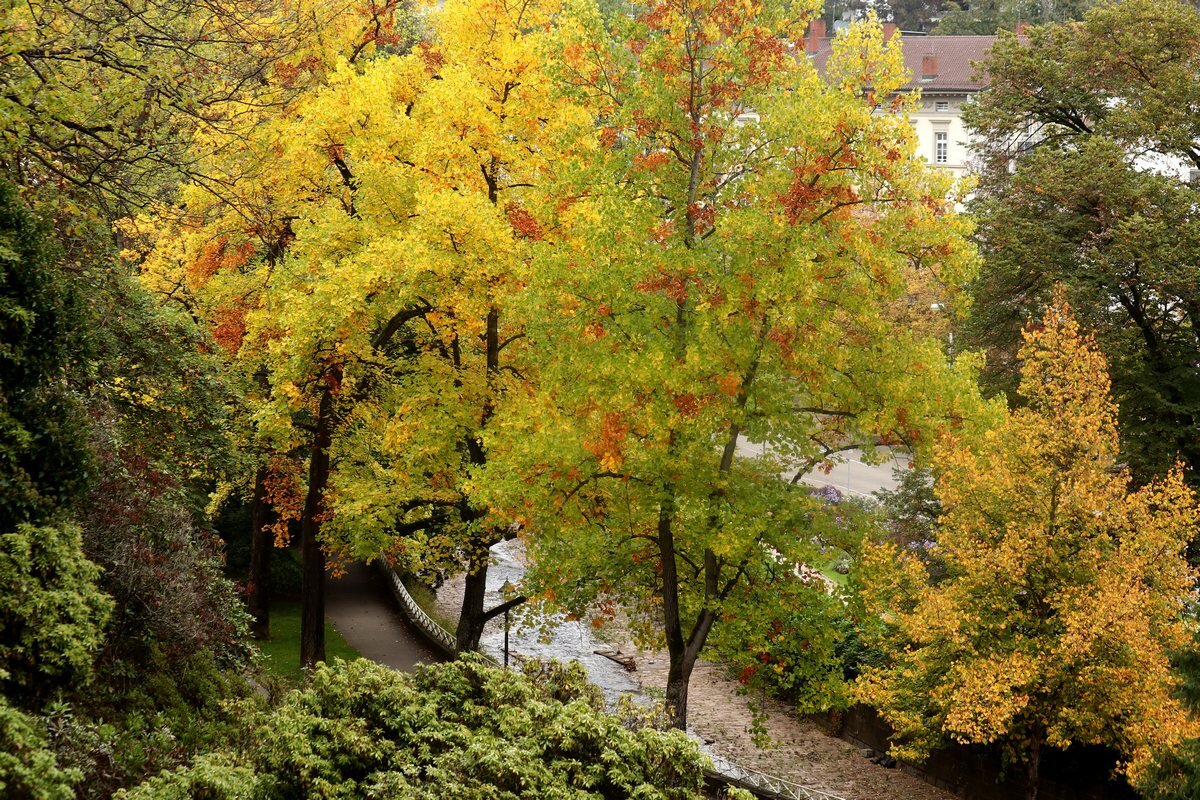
(283,650)
(829,572)
(427,600)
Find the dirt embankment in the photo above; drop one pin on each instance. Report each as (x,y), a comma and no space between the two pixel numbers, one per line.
(802,752)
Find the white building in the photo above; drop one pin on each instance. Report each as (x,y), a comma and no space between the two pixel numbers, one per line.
(942,69)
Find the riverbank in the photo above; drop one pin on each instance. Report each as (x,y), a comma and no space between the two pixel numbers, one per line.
(801,751)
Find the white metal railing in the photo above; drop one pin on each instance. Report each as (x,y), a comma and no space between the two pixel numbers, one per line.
(722,769)
(416,615)
(725,770)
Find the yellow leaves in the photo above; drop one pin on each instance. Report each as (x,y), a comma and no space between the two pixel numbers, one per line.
(984,695)
(1066,591)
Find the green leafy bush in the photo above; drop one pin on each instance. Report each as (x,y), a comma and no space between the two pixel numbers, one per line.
(462,730)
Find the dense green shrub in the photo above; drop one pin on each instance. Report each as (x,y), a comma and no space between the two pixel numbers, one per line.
(52,614)
(42,451)
(462,730)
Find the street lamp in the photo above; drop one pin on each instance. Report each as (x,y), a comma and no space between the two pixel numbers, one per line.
(506,591)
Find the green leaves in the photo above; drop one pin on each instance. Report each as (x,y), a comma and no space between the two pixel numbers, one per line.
(52,614)
(462,729)
(1087,206)
(730,256)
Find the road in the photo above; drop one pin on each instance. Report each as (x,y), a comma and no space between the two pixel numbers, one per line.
(850,475)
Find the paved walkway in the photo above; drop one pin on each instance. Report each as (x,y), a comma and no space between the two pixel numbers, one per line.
(361,607)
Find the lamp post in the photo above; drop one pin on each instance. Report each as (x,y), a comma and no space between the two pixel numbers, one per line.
(506,591)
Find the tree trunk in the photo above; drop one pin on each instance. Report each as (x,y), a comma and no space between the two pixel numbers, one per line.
(262,541)
(471,618)
(1033,760)
(679,674)
(312,614)
(680,670)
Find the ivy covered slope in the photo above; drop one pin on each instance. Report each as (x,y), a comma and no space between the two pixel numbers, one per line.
(462,730)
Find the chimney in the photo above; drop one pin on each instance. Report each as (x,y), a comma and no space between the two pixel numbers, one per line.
(889,30)
(929,67)
(1022,25)
(816,32)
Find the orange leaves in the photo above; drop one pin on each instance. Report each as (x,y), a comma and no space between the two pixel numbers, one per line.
(381,28)
(649,162)
(703,217)
(229,328)
(729,384)
(431,57)
(767,56)
(662,231)
(608,446)
(524,225)
(1053,562)
(284,493)
(219,255)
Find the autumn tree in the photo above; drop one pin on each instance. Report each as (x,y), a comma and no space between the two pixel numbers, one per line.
(726,257)
(381,326)
(491,130)
(1065,592)
(1085,145)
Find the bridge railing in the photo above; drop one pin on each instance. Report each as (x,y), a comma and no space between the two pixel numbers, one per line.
(760,783)
(416,615)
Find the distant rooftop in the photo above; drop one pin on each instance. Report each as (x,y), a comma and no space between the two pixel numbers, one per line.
(935,63)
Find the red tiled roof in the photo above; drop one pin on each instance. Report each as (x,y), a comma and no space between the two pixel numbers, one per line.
(955,55)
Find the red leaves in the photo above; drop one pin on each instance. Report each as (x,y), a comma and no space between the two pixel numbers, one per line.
(802,196)
(686,403)
(673,286)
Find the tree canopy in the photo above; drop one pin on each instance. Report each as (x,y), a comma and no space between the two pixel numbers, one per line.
(1090,117)
(1066,590)
(722,271)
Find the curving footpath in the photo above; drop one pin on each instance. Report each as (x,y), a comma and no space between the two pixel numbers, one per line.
(359,605)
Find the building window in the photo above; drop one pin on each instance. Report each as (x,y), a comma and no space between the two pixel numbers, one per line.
(941,147)
(942,105)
